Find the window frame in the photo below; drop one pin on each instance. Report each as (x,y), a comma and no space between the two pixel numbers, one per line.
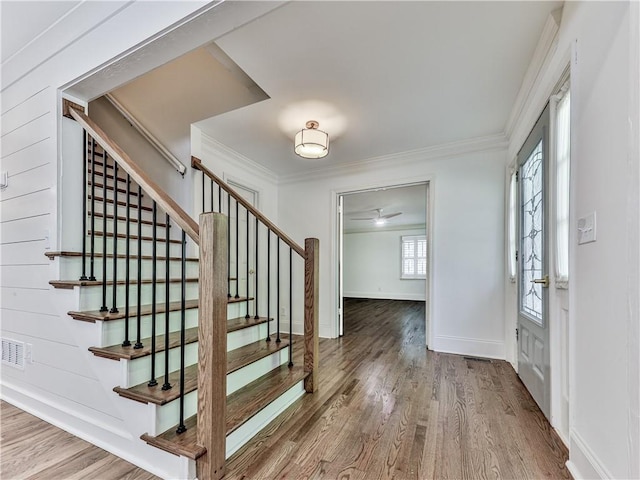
(562,188)
(415,239)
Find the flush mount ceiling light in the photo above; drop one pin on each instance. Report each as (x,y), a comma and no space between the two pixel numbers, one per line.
(311,142)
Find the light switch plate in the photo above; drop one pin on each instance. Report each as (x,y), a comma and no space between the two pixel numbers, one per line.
(587,229)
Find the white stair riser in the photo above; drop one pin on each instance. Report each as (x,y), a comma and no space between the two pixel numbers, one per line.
(239,338)
(146,246)
(139,370)
(256,423)
(113,331)
(71,268)
(91,297)
(168,415)
(147,230)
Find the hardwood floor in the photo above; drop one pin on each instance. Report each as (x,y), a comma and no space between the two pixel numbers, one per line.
(33,449)
(388,408)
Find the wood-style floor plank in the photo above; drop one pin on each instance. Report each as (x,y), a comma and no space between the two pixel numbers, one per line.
(33,449)
(387,408)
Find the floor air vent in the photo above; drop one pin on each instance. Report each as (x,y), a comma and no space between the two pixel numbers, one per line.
(13,353)
(478,359)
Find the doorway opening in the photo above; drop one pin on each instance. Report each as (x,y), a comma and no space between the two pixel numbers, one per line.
(384,240)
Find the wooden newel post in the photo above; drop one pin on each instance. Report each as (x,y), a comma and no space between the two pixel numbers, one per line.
(212,346)
(311,287)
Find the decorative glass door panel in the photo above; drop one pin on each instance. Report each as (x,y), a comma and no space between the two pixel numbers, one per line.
(531,268)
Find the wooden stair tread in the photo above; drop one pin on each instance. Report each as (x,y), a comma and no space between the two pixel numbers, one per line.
(100,187)
(236,359)
(122,204)
(240,323)
(118,352)
(144,238)
(242,405)
(69,253)
(100,173)
(69,284)
(132,219)
(92,316)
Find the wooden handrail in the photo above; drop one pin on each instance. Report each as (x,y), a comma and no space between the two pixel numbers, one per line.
(197,163)
(164,201)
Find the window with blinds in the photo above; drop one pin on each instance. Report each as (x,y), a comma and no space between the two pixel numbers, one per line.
(414,257)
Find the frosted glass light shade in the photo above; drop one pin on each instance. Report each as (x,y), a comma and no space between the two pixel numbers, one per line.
(311,143)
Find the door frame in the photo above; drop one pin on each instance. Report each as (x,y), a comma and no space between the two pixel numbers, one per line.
(336,253)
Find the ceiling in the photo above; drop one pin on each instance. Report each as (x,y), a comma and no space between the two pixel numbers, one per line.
(410,201)
(380,77)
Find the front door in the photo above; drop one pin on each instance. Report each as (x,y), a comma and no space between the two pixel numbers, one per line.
(533,278)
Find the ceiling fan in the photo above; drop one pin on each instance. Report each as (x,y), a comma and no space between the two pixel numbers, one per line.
(379,218)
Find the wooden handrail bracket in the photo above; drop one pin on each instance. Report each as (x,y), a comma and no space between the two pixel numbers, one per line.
(197,163)
(164,201)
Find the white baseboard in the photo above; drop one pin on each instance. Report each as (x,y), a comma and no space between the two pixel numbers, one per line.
(110,438)
(386,296)
(468,346)
(583,463)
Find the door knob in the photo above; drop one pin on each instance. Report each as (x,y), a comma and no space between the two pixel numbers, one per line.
(544,281)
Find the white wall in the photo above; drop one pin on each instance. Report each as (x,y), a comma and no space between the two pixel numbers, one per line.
(601,40)
(143,153)
(372,266)
(467,209)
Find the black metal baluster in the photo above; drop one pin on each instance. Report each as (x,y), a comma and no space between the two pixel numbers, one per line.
(127,254)
(166,385)
(255,293)
(104,308)
(181,426)
(229,244)
(138,314)
(154,257)
(268,284)
(237,251)
(278,291)
(92,276)
(211,194)
(290,307)
(114,303)
(247,269)
(202,192)
(84,202)
(219,199)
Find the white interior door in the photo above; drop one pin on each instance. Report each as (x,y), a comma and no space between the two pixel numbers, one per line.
(533,268)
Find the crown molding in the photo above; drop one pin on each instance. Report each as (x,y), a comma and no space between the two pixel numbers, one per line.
(214,147)
(447,150)
(547,44)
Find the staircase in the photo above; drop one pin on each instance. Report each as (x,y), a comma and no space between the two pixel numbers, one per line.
(187,316)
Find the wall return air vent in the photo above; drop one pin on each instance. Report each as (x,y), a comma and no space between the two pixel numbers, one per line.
(13,353)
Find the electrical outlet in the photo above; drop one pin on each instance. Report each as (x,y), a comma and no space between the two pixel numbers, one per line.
(587,229)
(4,179)
(47,240)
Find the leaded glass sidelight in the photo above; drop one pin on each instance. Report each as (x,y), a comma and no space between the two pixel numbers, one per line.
(531,187)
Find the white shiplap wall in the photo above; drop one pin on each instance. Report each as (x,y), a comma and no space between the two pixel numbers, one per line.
(61,384)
